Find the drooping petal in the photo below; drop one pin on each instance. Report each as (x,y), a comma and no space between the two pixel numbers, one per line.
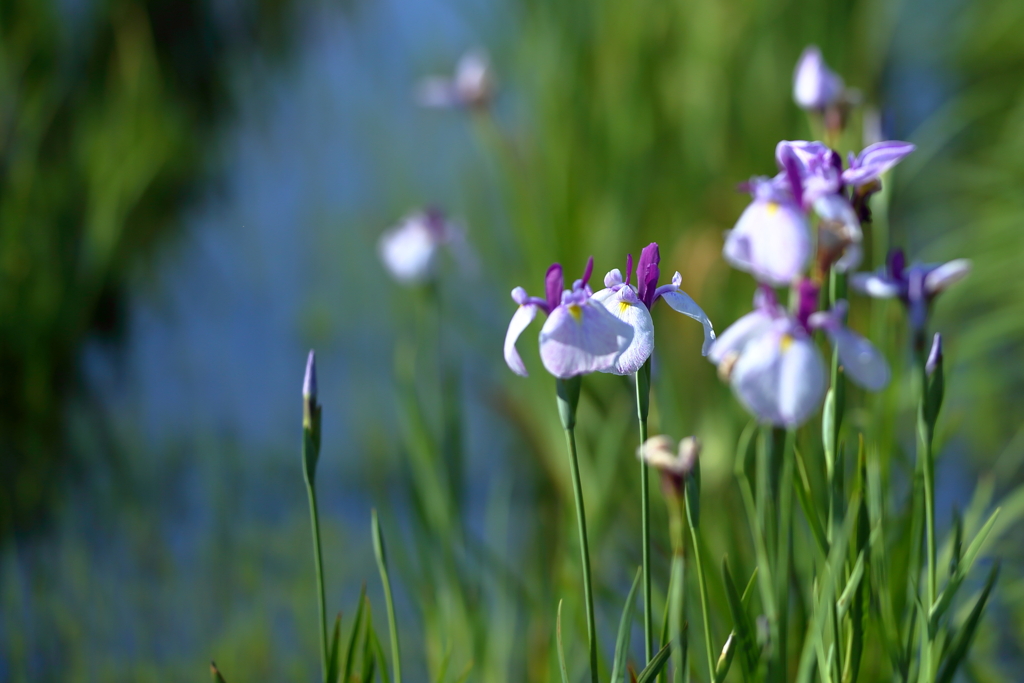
(614,277)
(815,86)
(680,301)
(875,160)
(522,318)
(801,379)
(755,377)
(945,275)
(860,359)
(737,335)
(579,338)
(877,285)
(771,240)
(625,306)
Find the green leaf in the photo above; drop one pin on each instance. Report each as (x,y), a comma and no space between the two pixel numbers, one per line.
(843,604)
(332,657)
(748,592)
(803,493)
(655,666)
(625,627)
(945,598)
(215,673)
(725,659)
(962,642)
(558,642)
(741,624)
(350,651)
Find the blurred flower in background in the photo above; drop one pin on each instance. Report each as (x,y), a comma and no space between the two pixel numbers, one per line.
(409,251)
(471,86)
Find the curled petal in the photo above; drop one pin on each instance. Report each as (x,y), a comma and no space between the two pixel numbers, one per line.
(876,285)
(681,302)
(875,160)
(771,240)
(625,306)
(579,338)
(614,277)
(860,359)
(945,275)
(522,318)
(737,335)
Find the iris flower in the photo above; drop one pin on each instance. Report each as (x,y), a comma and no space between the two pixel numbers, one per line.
(632,304)
(472,85)
(409,251)
(580,336)
(773,365)
(815,86)
(916,285)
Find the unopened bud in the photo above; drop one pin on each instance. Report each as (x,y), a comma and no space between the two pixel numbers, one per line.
(934,356)
(725,659)
(309,403)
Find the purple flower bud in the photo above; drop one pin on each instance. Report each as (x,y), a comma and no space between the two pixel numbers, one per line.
(815,86)
(553,281)
(934,356)
(309,382)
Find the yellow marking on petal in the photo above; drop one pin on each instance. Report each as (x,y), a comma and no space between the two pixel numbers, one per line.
(576,312)
(773,207)
(624,306)
(785,342)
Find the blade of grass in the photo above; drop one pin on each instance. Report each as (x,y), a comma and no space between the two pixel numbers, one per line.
(655,666)
(962,643)
(350,650)
(382,566)
(625,627)
(332,658)
(558,644)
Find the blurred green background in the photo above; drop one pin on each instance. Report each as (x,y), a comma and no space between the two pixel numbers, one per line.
(191,193)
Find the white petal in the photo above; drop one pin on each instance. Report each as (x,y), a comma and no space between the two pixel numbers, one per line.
(614,277)
(682,302)
(636,315)
(947,274)
(408,251)
(578,339)
(524,315)
(801,380)
(771,240)
(737,335)
(860,359)
(755,377)
(873,284)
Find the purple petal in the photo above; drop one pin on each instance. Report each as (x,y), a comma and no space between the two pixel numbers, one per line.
(647,273)
(553,285)
(737,335)
(681,302)
(772,241)
(877,285)
(875,160)
(629,267)
(624,305)
(801,379)
(945,275)
(896,262)
(309,381)
(522,318)
(588,271)
(815,86)
(582,338)
(934,355)
(860,359)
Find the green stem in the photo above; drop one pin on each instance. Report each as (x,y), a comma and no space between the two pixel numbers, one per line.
(581,520)
(704,606)
(677,589)
(926,459)
(315,521)
(785,540)
(382,566)
(643,393)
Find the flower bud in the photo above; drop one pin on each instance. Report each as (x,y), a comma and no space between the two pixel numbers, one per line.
(935,355)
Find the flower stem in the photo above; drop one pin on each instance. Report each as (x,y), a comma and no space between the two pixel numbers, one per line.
(315,521)
(926,459)
(643,396)
(704,600)
(382,566)
(677,590)
(568,391)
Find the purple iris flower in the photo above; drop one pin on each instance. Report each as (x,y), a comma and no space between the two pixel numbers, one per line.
(915,285)
(815,86)
(773,365)
(409,251)
(580,336)
(772,238)
(632,304)
(874,160)
(472,85)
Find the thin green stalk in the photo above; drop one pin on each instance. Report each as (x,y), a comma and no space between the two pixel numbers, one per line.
(926,459)
(568,391)
(315,521)
(704,601)
(581,520)
(785,541)
(382,566)
(643,395)
(677,589)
